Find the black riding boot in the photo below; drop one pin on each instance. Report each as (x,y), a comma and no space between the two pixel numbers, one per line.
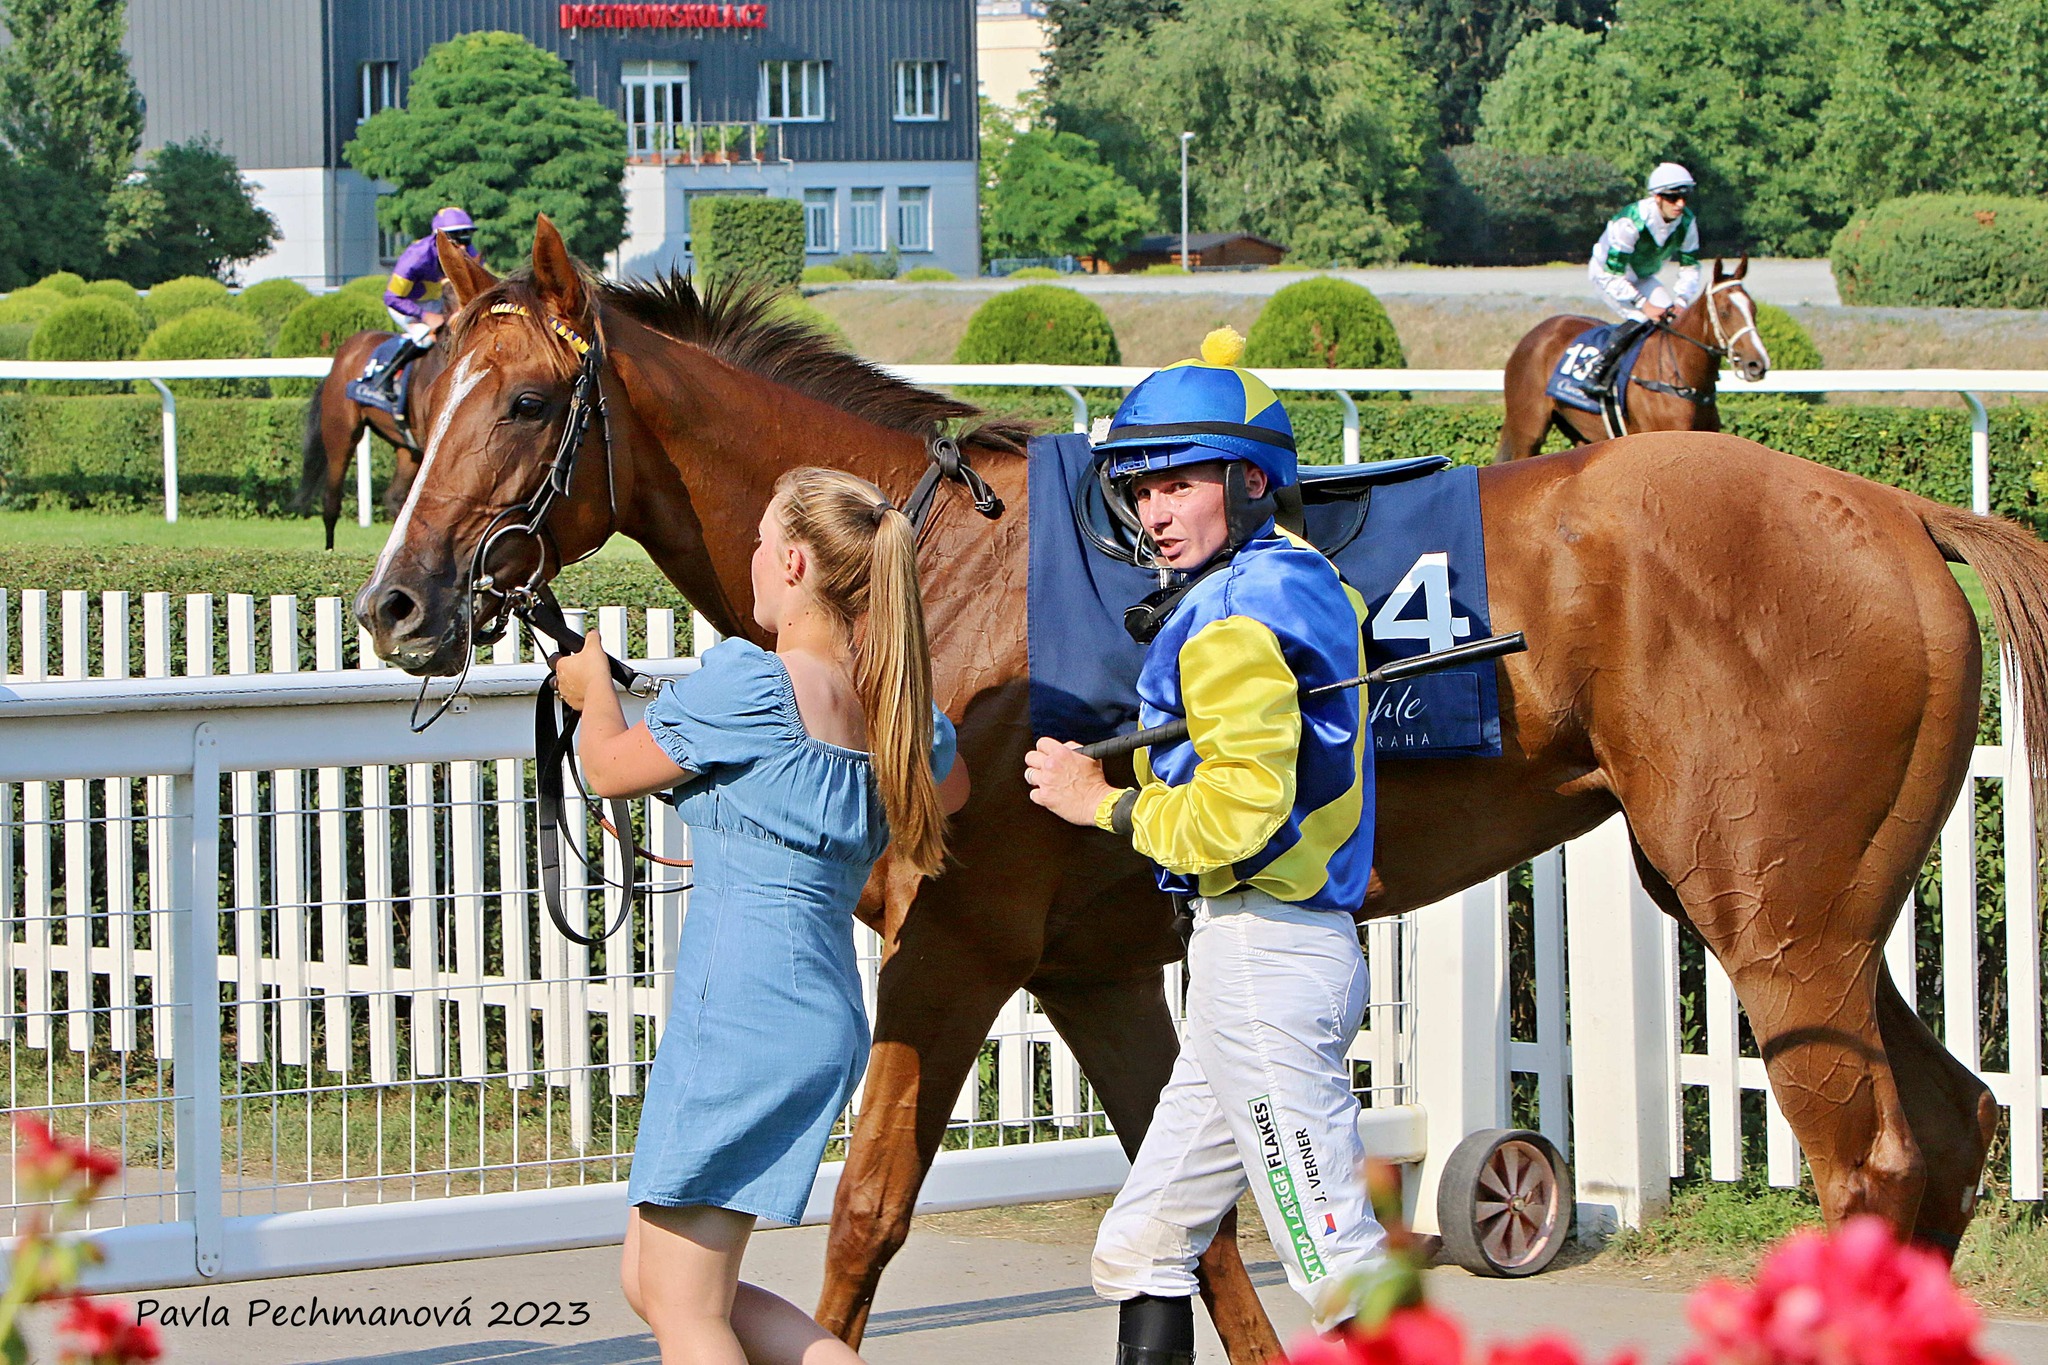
(400,358)
(1601,381)
(1155,1331)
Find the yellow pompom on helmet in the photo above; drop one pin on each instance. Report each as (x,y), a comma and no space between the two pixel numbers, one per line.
(1199,410)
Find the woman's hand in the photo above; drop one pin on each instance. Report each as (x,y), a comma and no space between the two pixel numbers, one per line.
(582,673)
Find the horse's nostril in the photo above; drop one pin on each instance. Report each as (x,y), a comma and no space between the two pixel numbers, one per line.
(395,608)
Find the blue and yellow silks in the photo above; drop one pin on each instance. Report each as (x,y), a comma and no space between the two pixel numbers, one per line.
(1270,790)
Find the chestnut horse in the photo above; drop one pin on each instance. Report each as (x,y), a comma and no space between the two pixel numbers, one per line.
(335,422)
(1764,663)
(1684,355)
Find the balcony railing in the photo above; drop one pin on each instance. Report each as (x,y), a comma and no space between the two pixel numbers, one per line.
(705,144)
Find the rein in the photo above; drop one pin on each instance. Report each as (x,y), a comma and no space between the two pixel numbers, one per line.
(1613,409)
(533,602)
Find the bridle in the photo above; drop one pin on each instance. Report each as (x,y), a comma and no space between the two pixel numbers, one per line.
(1722,346)
(533,602)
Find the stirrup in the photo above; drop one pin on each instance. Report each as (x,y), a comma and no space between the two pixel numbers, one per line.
(1127,1354)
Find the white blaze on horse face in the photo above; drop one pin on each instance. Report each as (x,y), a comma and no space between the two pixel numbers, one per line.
(467,376)
(1741,297)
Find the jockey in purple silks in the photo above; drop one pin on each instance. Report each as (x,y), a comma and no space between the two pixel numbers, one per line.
(413,294)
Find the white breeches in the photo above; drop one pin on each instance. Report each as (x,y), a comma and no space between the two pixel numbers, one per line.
(1260,1095)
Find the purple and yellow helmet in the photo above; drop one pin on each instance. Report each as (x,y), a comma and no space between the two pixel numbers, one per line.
(452,220)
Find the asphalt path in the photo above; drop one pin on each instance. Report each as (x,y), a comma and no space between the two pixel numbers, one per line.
(1786,282)
(954,1294)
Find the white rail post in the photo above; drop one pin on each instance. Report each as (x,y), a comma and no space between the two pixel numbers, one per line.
(170,449)
(195,824)
(1621,1065)
(2022,940)
(1350,425)
(1461,1025)
(1080,407)
(1980,456)
(363,479)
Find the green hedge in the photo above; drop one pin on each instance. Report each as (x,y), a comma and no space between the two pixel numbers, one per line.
(174,298)
(1039,324)
(240,457)
(30,306)
(1945,250)
(123,293)
(1790,345)
(86,328)
(319,325)
(62,282)
(270,302)
(1324,323)
(210,334)
(747,237)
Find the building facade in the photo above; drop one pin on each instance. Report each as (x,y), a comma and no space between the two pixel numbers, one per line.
(1011,39)
(862,111)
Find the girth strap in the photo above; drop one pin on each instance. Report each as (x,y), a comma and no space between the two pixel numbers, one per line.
(948,461)
(1700,396)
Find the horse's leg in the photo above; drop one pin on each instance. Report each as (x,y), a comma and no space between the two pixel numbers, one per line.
(1123,1036)
(938,994)
(341,424)
(405,467)
(1953,1115)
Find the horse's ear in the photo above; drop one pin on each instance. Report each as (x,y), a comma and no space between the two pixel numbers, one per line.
(466,275)
(1741,267)
(554,273)
(1717,270)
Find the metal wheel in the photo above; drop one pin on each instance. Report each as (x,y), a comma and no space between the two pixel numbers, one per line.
(1505,1203)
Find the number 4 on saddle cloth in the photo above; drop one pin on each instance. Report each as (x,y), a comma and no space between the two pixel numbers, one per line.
(1404,533)
(369,389)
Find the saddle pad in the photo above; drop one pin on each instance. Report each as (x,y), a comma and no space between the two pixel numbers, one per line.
(1420,564)
(369,391)
(1567,381)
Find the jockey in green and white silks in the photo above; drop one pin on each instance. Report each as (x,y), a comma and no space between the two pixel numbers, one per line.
(1654,237)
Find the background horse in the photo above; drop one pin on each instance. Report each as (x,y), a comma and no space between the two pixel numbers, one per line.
(1765,664)
(335,422)
(1685,355)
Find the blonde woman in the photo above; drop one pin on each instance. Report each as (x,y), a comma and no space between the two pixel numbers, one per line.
(793,770)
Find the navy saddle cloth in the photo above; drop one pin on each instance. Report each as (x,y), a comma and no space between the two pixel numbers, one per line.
(1404,533)
(1567,381)
(369,390)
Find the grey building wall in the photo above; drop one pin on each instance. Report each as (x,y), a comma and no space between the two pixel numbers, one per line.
(250,73)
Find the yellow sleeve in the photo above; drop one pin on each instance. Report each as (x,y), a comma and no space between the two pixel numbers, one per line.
(399,285)
(1244,718)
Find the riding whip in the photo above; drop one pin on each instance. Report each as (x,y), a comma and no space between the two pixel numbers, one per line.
(1492,647)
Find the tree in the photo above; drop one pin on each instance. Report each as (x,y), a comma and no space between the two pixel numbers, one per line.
(1080,29)
(495,125)
(1048,194)
(1939,96)
(67,99)
(190,213)
(1731,88)
(1310,126)
(1461,45)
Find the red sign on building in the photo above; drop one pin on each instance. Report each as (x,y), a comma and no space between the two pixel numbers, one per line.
(664,16)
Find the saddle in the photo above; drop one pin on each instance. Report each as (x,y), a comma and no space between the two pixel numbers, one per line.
(1327,508)
(368,388)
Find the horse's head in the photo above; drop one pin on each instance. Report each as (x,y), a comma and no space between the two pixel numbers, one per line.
(1731,314)
(516,350)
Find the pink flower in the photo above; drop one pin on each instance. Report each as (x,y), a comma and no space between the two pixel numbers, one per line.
(46,1162)
(1855,1297)
(107,1333)
(1410,1336)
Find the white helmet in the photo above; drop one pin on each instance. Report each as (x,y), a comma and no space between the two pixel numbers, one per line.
(1670,176)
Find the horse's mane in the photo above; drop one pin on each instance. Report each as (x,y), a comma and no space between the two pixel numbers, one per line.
(742,325)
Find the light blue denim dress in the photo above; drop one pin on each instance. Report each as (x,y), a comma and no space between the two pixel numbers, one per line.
(767,1035)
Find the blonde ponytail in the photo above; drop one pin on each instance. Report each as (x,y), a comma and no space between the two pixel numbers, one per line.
(865,557)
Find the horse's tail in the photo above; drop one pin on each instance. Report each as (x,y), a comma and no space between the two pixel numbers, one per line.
(2013,564)
(313,469)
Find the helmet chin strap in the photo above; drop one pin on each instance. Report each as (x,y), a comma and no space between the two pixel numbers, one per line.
(1244,515)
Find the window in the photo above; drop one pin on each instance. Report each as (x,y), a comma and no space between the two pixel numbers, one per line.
(920,92)
(376,88)
(914,219)
(657,106)
(818,220)
(793,92)
(866,227)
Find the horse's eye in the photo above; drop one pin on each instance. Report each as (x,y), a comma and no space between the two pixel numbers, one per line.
(528,406)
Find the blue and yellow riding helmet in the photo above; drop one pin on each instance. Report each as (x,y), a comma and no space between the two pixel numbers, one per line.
(1200,411)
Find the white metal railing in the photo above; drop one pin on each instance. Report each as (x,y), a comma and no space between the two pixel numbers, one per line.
(1970,385)
(402,1054)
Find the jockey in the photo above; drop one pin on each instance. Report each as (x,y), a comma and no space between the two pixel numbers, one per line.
(1633,251)
(413,295)
(1261,823)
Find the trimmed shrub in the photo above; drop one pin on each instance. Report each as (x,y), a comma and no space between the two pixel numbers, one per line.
(210,334)
(1035,272)
(826,274)
(367,284)
(14,339)
(62,282)
(1039,324)
(270,302)
(319,326)
(123,293)
(1166,268)
(747,237)
(882,267)
(30,306)
(173,298)
(1790,345)
(85,328)
(1945,251)
(1324,323)
(929,274)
